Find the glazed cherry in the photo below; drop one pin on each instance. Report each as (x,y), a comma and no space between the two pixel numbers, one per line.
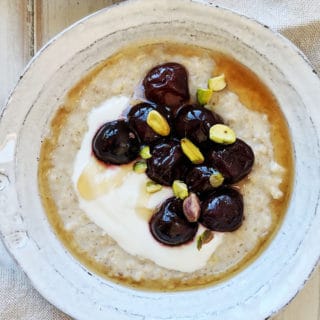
(169,225)
(115,143)
(137,117)
(234,161)
(167,84)
(194,122)
(222,210)
(180,171)
(197,179)
(163,166)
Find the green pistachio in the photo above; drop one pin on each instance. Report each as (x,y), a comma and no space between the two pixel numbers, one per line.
(152,187)
(203,95)
(191,151)
(217,83)
(204,238)
(221,133)
(216,179)
(158,123)
(140,166)
(145,152)
(180,189)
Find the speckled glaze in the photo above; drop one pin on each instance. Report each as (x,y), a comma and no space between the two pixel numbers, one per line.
(255,293)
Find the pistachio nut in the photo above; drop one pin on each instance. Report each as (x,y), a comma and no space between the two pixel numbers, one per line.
(191,151)
(180,189)
(223,134)
(203,95)
(145,152)
(158,123)
(216,179)
(217,83)
(191,207)
(152,187)
(140,166)
(204,238)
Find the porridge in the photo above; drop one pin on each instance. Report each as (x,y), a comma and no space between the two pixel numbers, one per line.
(102,212)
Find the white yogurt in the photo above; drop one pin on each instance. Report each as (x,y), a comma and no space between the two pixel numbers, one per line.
(119,205)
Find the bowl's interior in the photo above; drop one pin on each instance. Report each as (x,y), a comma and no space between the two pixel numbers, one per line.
(288,260)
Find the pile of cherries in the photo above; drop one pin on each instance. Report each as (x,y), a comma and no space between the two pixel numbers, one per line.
(119,142)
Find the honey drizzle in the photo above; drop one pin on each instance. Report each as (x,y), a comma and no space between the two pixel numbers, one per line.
(90,189)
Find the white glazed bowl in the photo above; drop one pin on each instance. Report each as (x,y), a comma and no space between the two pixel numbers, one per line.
(255,293)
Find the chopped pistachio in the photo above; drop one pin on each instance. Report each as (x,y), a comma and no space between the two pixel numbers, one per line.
(204,238)
(140,166)
(191,151)
(180,189)
(191,207)
(207,236)
(217,83)
(221,133)
(145,152)
(158,123)
(199,242)
(153,187)
(216,179)
(203,95)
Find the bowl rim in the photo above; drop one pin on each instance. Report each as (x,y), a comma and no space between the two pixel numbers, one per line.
(127,4)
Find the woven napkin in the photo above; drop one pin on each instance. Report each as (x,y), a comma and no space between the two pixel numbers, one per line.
(298,20)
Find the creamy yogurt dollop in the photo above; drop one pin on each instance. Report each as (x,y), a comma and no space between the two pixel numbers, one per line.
(114,198)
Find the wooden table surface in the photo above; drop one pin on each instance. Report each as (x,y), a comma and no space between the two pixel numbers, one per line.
(25,25)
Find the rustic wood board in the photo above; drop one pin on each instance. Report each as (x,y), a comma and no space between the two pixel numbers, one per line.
(16,47)
(25,25)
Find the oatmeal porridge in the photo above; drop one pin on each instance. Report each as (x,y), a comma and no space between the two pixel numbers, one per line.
(102,213)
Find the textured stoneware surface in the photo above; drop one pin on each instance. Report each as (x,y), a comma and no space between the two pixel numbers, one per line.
(255,293)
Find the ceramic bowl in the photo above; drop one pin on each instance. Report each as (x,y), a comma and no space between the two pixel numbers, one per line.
(256,292)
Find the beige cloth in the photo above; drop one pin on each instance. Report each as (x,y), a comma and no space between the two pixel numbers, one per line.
(298,20)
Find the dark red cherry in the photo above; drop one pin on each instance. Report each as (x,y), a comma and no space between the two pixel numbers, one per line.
(137,117)
(180,171)
(194,122)
(222,210)
(115,143)
(169,225)
(234,161)
(197,179)
(163,166)
(167,84)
